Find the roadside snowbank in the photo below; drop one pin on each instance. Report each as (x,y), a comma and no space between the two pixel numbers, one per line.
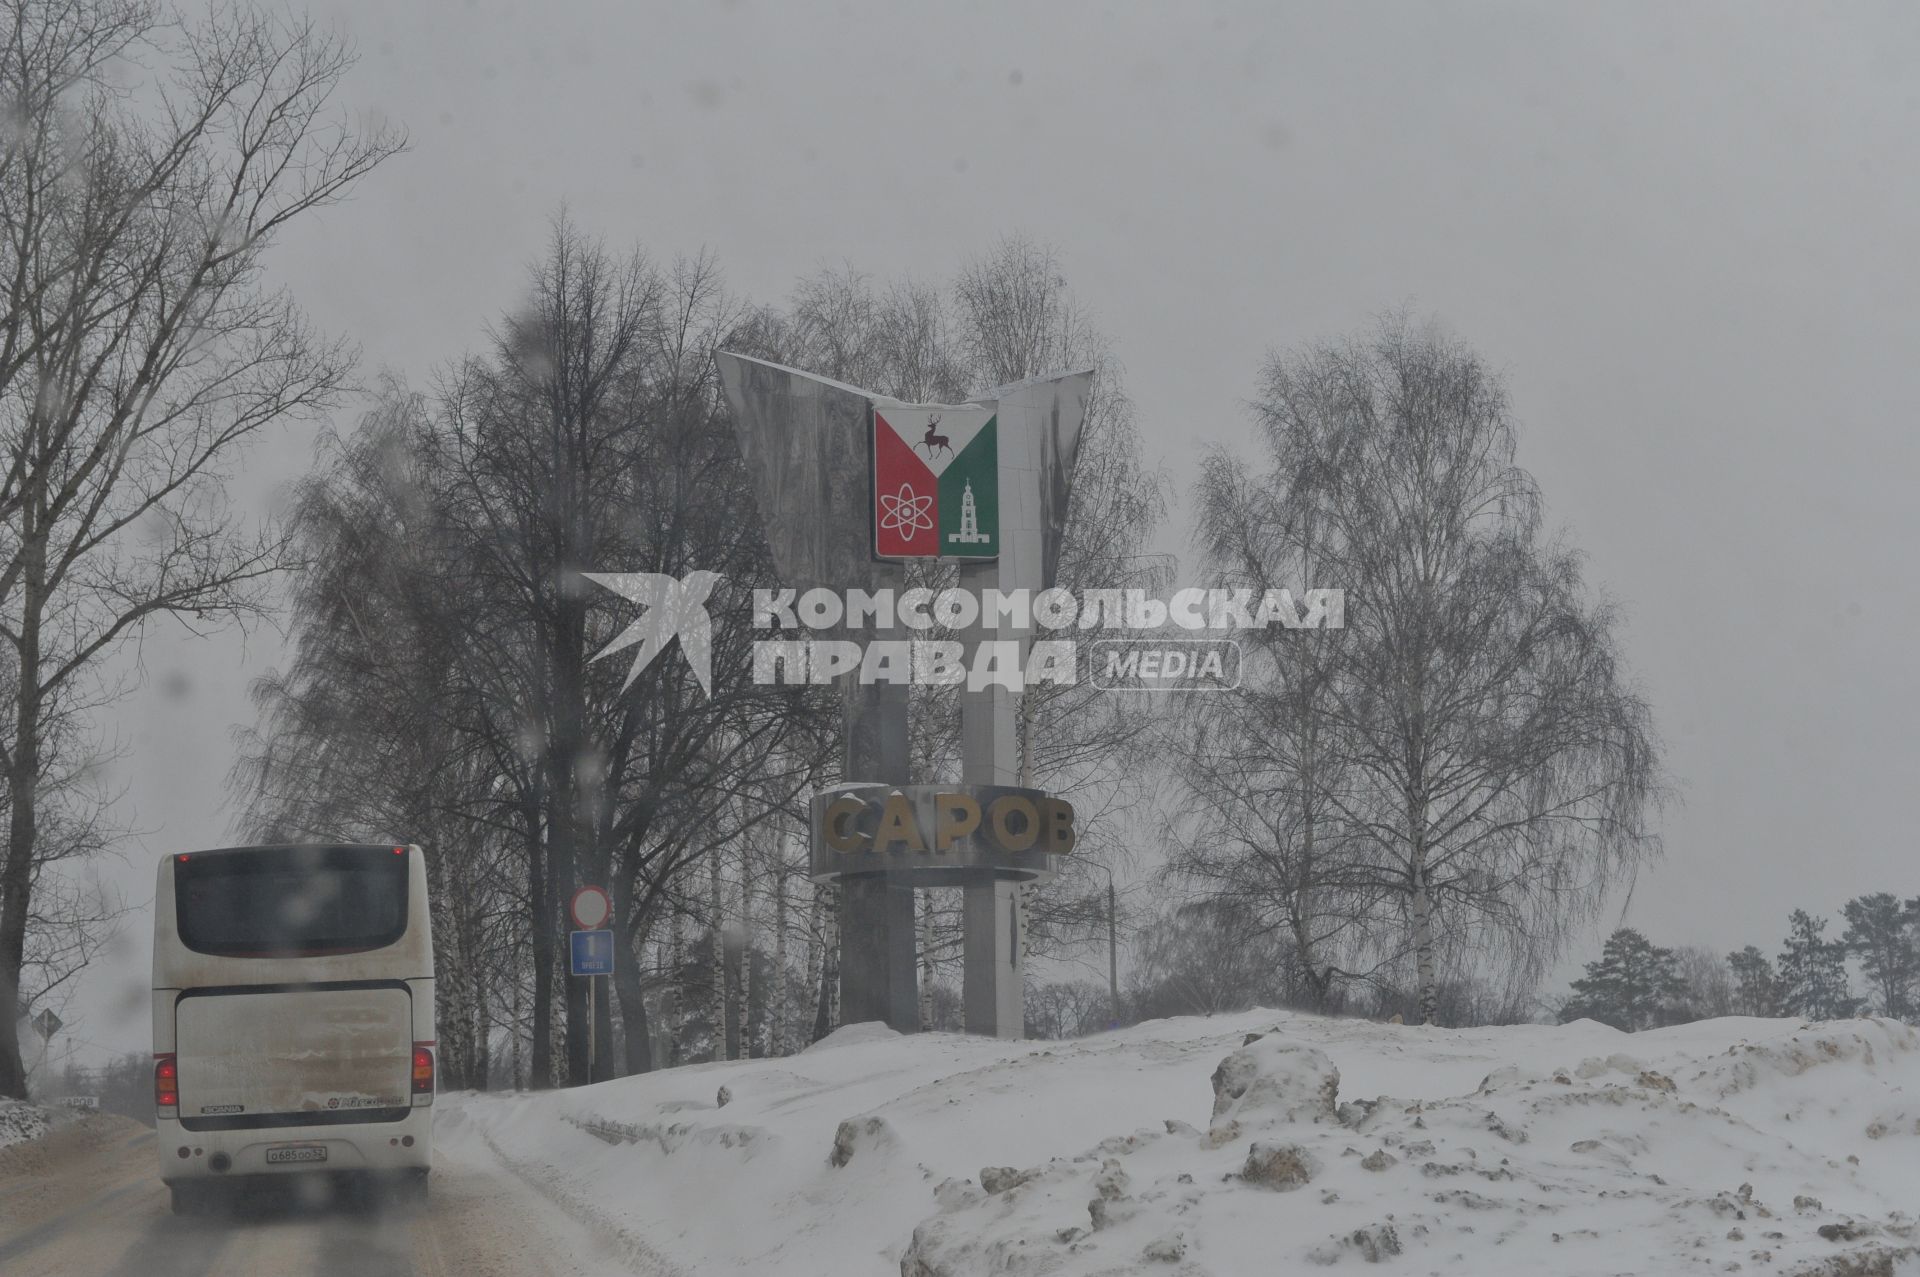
(21,1121)
(1195,1147)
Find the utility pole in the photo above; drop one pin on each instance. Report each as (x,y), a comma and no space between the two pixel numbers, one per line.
(1113,947)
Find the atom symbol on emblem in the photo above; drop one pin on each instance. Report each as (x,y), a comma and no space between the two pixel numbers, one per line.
(905,512)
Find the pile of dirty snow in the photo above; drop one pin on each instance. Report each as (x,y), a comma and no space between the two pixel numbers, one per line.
(1266,1142)
(21,1121)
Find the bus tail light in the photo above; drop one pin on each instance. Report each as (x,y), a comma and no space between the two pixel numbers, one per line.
(422,1073)
(166,1085)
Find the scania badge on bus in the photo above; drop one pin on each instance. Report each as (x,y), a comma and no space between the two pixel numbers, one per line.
(591,907)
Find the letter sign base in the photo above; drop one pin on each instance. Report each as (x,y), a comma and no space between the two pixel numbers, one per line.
(939,835)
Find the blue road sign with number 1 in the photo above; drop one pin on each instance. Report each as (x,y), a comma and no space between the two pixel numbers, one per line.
(593,953)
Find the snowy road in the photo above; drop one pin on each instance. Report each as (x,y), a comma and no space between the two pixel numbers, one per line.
(88,1201)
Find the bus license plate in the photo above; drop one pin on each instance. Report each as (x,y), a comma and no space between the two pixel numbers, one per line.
(298,1153)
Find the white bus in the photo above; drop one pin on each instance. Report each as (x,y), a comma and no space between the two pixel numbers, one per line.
(292,1015)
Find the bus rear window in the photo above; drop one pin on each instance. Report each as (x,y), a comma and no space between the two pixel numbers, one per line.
(290,901)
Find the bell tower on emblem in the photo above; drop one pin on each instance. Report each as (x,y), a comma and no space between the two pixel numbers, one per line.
(969,533)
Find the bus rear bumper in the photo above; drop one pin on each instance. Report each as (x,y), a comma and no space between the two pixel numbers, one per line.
(405,1145)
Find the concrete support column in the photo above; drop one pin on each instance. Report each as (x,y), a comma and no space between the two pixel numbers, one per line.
(994,979)
(879,979)
(989,717)
(993,973)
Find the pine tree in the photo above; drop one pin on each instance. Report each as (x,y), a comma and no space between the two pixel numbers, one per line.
(1813,971)
(1756,989)
(1881,932)
(1632,986)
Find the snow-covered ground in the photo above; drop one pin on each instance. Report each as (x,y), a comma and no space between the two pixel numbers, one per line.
(21,1121)
(1756,1146)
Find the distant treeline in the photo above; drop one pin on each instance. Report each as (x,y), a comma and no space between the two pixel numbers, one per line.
(1636,984)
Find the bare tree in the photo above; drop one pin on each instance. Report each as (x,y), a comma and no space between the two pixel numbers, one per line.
(591,439)
(378,732)
(1018,318)
(140,350)
(778,1021)
(676,1013)
(926,944)
(73,912)
(1206,957)
(1067,1009)
(717,1003)
(1497,768)
(1707,990)
(1258,831)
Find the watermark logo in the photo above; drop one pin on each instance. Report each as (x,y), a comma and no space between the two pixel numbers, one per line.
(1165,665)
(1013,639)
(673,609)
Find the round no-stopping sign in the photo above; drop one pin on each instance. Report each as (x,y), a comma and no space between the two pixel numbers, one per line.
(591,908)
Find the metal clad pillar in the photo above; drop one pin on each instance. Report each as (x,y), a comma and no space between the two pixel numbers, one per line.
(993,972)
(994,975)
(879,978)
(806,442)
(1039,437)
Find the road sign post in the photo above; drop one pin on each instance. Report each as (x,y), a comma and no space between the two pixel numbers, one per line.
(46,1024)
(591,955)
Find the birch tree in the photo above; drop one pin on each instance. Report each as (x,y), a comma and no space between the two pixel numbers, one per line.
(717,1015)
(1499,769)
(1017,317)
(1258,831)
(376,733)
(777,994)
(1707,980)
(676,1001)
(825,965)
(748,870)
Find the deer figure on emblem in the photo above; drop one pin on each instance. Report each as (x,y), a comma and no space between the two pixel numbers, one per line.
(933,440)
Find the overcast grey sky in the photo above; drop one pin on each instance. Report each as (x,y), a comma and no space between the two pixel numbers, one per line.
(1686,231)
